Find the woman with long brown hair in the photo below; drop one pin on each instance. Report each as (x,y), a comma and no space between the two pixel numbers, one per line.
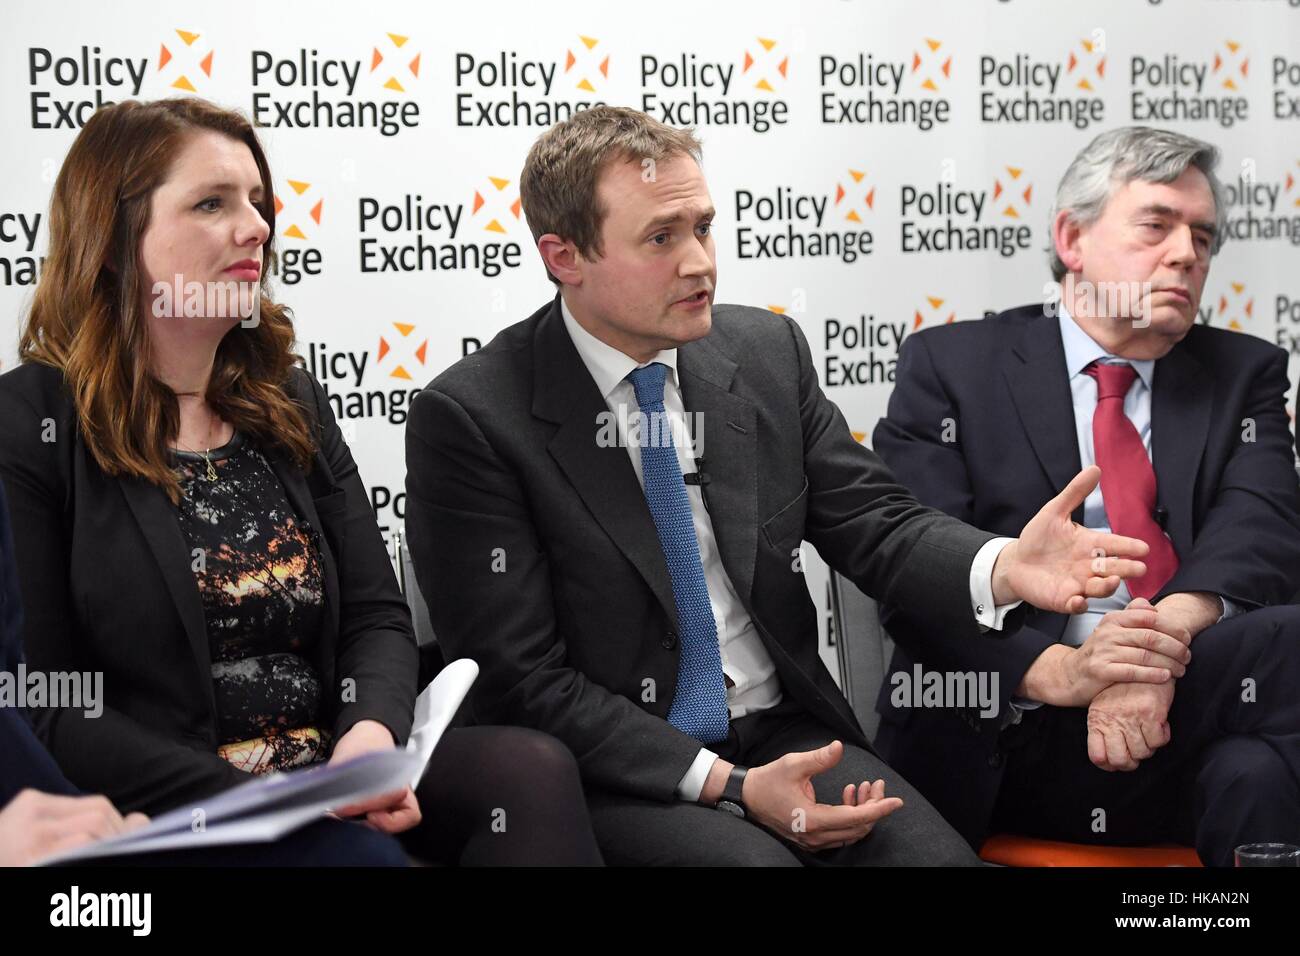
(189,521)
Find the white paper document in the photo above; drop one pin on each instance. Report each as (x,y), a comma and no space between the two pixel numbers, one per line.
(269,806)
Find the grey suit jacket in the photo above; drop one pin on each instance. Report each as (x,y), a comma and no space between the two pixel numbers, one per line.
(539,558)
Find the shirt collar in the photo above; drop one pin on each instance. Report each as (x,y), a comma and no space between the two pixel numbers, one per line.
(1081,350)
(607,365)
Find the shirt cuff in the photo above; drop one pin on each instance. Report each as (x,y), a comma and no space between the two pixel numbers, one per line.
(981,586)
(1016,706)
(691,785)
(1230,609)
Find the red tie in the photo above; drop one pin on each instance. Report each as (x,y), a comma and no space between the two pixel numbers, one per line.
(1128,482)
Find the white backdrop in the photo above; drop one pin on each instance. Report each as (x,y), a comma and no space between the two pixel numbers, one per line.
(843,141)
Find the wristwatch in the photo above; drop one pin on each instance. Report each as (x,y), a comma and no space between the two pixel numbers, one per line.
(731,801)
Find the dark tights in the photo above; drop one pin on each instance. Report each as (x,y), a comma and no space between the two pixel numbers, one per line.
(502,796)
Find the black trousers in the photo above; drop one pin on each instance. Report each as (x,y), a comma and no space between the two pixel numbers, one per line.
(1229,775)
(634,832)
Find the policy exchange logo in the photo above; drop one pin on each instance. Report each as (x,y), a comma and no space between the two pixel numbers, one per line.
(766,66)
(925,67)
(932,312)
(586,63)
(197,55)
(394,55)
(1018,193)
(853,198)
(1090,62)
(1235,307)
(497,204)
(405,350)
(1229,63)
(311,206)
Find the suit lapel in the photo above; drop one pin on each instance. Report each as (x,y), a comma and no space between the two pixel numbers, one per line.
(565,394)
(727,437)
(1180,422)
(1040,387)
(157,520)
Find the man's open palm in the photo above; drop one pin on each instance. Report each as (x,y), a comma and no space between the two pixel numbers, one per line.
(1058,564)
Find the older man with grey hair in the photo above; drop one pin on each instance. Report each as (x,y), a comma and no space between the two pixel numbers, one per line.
(1095,740)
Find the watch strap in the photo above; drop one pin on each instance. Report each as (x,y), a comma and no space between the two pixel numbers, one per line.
(735,785)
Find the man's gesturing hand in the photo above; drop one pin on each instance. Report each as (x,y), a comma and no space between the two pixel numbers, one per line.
(1057,565)
(780,797)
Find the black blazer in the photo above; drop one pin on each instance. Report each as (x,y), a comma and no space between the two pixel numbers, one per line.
(539,558)
(23,761)
(1233,506)
(106,585)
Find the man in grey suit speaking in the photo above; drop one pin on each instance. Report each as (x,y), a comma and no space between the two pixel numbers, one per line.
(606,504)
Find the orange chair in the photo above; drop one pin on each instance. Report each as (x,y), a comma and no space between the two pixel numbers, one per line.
(1007,850)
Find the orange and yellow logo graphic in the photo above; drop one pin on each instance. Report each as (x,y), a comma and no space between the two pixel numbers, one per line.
(1016,192)
(292,228)
(932,312)
(582,66)
(404,343)
(500,193)
(1235,306)
(183,80)
(766,65)
(927,66)
(1230,64)
(853,198)
(1089,61)
(397,67)
(1290,183)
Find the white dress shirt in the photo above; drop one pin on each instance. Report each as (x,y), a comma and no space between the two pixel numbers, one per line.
(755,685)
(1080,352)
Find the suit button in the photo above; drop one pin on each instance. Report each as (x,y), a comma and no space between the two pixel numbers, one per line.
(995,761)
(670,640)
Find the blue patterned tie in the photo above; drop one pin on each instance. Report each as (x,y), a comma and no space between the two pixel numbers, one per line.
(699,707)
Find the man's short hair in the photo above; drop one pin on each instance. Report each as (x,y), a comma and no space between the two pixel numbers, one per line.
(1120,156)
(558,184)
